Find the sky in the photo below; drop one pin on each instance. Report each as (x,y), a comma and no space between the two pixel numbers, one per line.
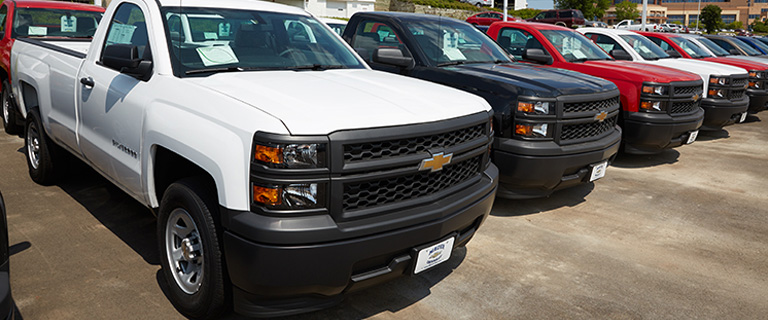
(540,4)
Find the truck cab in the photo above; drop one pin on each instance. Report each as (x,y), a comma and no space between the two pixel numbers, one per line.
(660,106)
(724,98)
(553,128)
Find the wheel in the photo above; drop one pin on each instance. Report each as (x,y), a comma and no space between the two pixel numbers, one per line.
(478,5)
(560,24)
(190,253)
(9,114)
(38,150)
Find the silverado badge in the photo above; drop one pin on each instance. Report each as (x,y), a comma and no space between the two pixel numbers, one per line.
(600,117)
(436,163)
(696,97)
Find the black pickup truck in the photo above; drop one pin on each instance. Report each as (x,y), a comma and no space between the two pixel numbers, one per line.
(554,128)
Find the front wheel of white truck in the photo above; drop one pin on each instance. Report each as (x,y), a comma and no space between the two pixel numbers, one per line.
(190,253)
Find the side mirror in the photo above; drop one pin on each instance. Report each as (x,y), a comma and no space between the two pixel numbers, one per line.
(391,56)
(734,52)
(537,55)
(674,54)
(620,55)
(125,58)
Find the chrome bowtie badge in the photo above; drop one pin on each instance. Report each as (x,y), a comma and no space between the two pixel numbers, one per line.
(436,163)
(696,97)
(600,117)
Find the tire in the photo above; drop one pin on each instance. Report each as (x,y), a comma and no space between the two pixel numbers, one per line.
(39,151)
(560,24)
(9,113)
(190,251)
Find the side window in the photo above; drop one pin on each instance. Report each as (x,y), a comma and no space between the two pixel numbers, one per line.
(371,35)
(497,16)
(3,20)
(566,14)
(661,43)
(129,27)
(725,45)
(604,42)
(549,15)
(540,16)
(514,41)
(175,28)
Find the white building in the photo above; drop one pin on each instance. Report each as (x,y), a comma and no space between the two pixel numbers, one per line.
(521,4)
(327,8)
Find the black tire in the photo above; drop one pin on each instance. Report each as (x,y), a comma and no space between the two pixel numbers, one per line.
(9,112)
(39,150)
(191,198)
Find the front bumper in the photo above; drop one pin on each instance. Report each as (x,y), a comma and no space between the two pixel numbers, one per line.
(757,100)
(527,175)
(276,278)
(720,113)
(650,133)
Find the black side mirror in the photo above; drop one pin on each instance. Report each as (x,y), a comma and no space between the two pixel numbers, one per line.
(125,58)
(674,54)
(537,55)
(734,52)
(620,54)
(391,56)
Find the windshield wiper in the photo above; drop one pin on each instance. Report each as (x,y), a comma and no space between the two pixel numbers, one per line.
(317,67)
(224,69)
(451,63)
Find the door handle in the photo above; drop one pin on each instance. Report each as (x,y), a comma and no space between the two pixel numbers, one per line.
(87,81)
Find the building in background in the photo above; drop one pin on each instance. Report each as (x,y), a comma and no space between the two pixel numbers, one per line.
(687,11)
(520,4)
(656,12)
(331,9)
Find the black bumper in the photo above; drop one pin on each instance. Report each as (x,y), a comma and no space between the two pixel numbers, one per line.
(720,113)
(534,171)
(274,279)
(757,100)
(650,133)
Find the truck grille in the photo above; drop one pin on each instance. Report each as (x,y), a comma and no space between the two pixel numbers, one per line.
(591,105)
(586,130)
(367,194)
(400,147)
(736,94)
(688,90)
(685,107)
(739,82)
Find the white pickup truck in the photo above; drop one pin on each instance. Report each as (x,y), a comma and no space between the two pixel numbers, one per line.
(283,170)
(724,98)
(631,25)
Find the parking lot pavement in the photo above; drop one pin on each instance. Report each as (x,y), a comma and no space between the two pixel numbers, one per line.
(682,234)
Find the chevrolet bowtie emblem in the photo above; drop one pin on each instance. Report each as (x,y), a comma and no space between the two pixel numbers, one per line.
(696,97)
(435,163)
(600,117)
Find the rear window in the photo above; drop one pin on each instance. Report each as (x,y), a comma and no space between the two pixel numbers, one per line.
(38,22)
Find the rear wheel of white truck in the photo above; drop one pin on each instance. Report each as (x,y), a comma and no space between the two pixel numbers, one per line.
(38,150)
(190,253)
(9,114)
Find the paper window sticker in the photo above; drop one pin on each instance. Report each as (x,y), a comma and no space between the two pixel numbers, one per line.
(210,36)
(224,29)
(217,55)
(37,31)
(68,24)
(121,33)
(578,54)
(451,47)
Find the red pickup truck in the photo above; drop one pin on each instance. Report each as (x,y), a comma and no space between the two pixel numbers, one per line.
(660,106)
(677,45)
(30,18)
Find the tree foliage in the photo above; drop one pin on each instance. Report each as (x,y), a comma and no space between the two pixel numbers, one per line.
(626,11)
(735,25)
(590,8)
(710,18)
(524,13)
(759,26)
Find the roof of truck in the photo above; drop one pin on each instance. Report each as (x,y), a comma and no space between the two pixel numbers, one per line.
(235,4)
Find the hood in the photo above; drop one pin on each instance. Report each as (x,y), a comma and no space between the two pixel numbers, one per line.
(633,71)
(538,80)
(759,59)
(702,68)
(760,64)
(321,102)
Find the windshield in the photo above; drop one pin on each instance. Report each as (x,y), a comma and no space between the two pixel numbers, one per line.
(747,48)
(690,48)
(206,40)
(717,50)
(451,42)
(644,47)
(37,22)
(573,46)
(760,45)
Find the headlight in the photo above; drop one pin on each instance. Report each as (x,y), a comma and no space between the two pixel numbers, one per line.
(537,107)
(293,156)
(716,93)
(289,196)
(652,106)
(718,80)
(754,84)
(540,130)
(657,90)
(755,74)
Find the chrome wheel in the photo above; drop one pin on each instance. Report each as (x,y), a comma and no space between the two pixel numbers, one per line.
(184,250)
(33,145)
(6,109)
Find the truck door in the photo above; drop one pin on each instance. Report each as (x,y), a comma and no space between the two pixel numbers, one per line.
(112,104)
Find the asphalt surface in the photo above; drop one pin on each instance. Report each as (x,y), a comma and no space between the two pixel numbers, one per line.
(679,235)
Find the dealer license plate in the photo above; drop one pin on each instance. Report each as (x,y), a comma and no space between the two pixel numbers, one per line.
(743,117)
(598,171)
(433,255)
(692,137)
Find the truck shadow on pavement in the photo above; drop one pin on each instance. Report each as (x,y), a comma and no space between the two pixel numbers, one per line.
(563,198)
(633,161)
(713,135)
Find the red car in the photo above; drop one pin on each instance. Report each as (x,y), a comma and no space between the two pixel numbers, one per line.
(28,18)
(486,18)
(757,89)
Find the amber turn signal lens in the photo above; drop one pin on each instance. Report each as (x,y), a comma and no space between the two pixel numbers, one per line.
(647,89)
(525,107)
(267,196)
(523,130)
(268,154)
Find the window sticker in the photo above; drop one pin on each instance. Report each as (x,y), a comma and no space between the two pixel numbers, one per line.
(579,55)
(217,55)
(68,24)
(121,34)
(210,35)
(224,29)
(37,31)
(451,46)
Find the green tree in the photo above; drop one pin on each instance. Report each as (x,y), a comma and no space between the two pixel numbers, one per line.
(759,26)
(710,18)
(524,13)
(590,8)
(626,11)
(734,25)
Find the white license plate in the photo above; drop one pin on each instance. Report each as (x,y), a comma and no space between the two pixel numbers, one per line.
(433,255)
(692,137)
(598,171)
(743,117)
